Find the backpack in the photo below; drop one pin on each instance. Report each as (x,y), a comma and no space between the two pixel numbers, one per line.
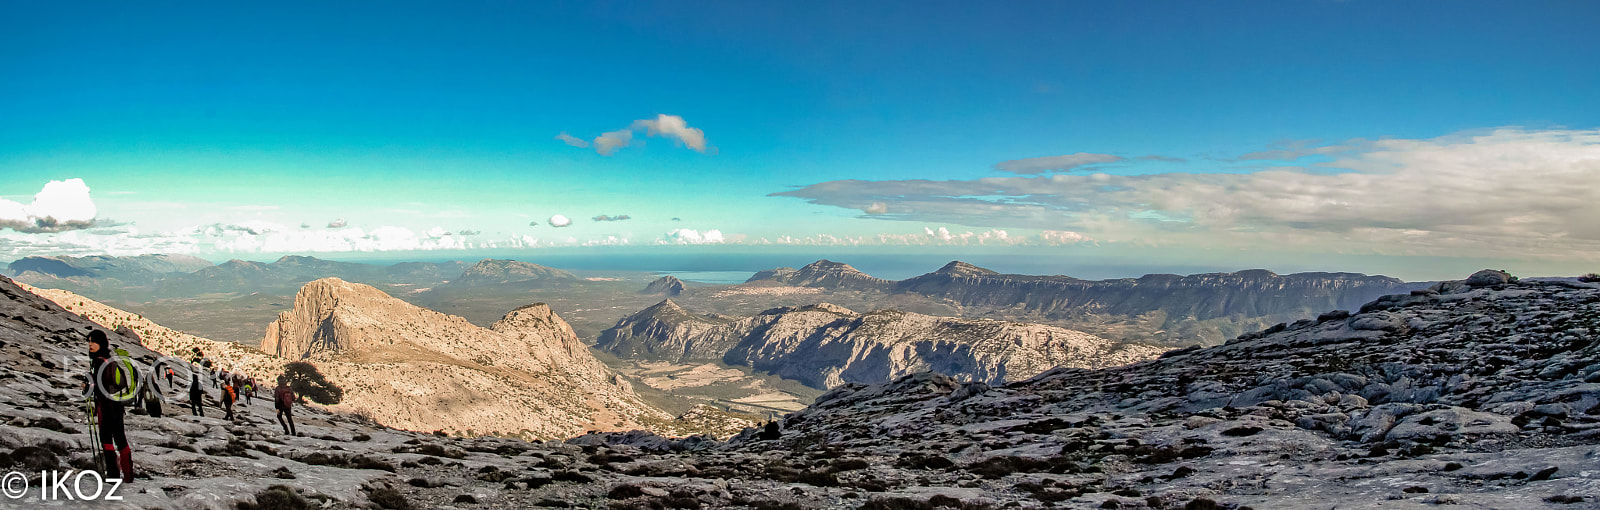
(228,395)
(284,397)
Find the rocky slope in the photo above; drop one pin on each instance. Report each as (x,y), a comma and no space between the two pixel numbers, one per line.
(339,460)
(1484,392)
(665,286)
(825,345)
(527,375)
(162,340)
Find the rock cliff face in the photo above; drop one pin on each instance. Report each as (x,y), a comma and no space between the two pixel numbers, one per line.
(825,345)
(666,286)
(492,271)
(528,374)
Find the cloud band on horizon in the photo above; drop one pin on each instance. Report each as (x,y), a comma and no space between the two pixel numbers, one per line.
(1511,192)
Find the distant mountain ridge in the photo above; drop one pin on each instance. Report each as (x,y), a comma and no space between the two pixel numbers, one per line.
(824,273)
(137,269)
(495,271)
(182,275)
(1241,295)
(825,345)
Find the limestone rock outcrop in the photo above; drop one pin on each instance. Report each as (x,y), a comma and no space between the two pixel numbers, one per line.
(419,369)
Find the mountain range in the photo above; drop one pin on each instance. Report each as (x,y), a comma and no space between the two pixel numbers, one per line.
(182,275)
(825,345)
(1206,308)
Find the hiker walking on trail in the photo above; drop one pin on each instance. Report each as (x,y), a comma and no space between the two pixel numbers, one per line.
(197,393)
(248,390)
(152,399)
(283,400)
(108,379)
(228,397)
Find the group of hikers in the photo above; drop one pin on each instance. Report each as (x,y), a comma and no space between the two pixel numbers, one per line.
(115,383)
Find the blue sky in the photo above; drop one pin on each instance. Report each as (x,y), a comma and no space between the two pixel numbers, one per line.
(879,122)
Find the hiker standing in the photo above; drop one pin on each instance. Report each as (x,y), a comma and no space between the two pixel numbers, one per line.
(197,393)
(228,396)
(106,379)
(249,388)
(283,400)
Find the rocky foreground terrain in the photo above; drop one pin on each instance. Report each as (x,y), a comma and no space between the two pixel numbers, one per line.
(411,368)
(1483,393)
(825,345)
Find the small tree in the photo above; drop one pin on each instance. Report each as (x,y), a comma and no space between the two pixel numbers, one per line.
(307,382)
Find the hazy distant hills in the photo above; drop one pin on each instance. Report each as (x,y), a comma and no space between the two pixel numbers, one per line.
(1207,307)
(141,269)
(825,345)
(185,276)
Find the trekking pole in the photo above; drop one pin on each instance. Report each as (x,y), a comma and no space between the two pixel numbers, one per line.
(94,433)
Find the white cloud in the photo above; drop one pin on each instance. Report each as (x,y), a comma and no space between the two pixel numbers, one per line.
(60,206)
(560,221)
(1061,237)
(691,236)
(610,141)
(607,241)
(339,223)
(1054,163)
(666,126)
(572,140)
(876,208)
(674,127)
(1509,192)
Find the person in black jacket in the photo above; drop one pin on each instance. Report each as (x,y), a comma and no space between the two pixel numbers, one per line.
(197,394)
(108,378)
